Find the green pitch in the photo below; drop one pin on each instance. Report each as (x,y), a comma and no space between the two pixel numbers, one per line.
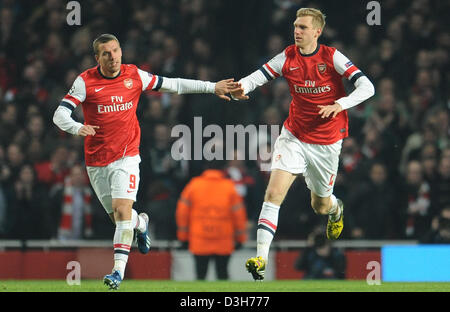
(222,286)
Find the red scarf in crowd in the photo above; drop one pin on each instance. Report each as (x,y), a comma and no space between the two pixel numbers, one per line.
(65,226)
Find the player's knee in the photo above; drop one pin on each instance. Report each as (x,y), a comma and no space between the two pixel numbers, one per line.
(321,207)
(274,196)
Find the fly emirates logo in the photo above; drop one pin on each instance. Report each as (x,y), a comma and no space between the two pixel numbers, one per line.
(116,106)
(310,87)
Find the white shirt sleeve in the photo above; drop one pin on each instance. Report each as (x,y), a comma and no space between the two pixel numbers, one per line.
(62,118)
(267,72)
(77,93)
(174,85)
(149,81)
(364,87)
(364,90)
(344,66)
(184,86)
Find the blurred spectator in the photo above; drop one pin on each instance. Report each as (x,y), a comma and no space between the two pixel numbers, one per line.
(361,51)
(158,163)
(15,159)
(391,126)
(28,215)
(8,123)
(440,188)
(414,203)
(159,202)
(351,160)
(321,260)
(370,208)
(440,230)
(213,225)
(415,142)
(443,128)
(53,172)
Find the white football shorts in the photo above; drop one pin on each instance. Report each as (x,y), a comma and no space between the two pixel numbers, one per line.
(318,163)
(119,179)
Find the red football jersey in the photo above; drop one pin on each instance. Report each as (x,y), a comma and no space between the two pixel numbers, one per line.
(314,79)
(111,103)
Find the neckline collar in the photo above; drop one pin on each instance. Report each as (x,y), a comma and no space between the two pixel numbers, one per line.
(100,72)
(312,53)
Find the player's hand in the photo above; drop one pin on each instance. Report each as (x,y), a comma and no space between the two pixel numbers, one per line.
(239,94)
(225,86)
(87,130)
(330,110)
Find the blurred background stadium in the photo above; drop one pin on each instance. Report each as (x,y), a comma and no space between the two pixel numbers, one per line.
(394,174)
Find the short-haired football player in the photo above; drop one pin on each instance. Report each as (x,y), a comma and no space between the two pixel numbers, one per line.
(109,95)
(311,139)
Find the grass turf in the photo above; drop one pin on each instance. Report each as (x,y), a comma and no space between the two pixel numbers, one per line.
(220,286)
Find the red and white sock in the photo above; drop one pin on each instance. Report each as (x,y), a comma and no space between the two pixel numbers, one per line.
(267,226)
(123,237)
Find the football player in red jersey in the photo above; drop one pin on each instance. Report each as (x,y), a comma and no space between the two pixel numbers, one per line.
(109,94)
(311,138)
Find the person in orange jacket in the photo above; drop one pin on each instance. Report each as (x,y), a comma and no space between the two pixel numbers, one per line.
(212,220)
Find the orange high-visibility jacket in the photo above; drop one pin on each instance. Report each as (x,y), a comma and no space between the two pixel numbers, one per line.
(211,215)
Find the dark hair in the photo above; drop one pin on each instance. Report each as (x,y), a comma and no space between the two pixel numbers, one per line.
(104,38)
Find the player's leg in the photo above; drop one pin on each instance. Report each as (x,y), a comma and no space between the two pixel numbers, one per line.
(98,177)
(139,221)
(125,184)
(334,208)
(125,219)
(123,235)
(320,177)
(326,206)
(279,183)
(117,211)
(287,162)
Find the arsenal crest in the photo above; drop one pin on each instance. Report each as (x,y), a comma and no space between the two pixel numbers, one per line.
(322,67)
(128,83)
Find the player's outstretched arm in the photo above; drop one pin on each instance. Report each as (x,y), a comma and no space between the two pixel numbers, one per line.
(225,86)
(190,86)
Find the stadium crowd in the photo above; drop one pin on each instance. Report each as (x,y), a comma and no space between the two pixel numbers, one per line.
(394,176)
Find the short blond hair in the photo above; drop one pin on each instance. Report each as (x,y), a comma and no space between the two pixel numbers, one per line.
(318,18)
